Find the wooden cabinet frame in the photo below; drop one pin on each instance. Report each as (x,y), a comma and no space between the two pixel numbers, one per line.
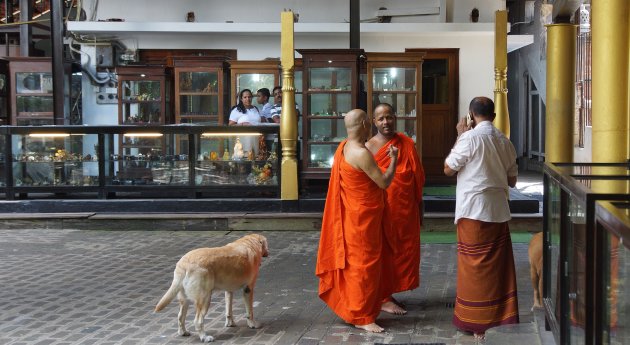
(157,74)
(195,65)
(324,58)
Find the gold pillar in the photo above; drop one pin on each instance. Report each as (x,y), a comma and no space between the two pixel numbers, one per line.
(288,118)
(610,80)
(561,54)
(502,119)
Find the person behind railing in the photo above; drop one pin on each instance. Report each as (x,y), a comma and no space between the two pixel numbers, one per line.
(246,114)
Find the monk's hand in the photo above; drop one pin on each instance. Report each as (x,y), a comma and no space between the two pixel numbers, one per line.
(393,152)
(462,126)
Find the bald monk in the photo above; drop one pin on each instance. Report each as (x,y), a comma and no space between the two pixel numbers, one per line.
(403,206)
(349,257)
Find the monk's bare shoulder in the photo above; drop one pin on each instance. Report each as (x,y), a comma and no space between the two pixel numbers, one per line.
(358,156)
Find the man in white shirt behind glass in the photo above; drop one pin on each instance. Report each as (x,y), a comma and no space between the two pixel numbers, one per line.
(485,163)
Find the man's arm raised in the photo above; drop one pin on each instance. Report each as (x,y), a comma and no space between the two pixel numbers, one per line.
(368,165)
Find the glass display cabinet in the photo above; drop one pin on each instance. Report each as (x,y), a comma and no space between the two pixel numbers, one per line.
(200,94)
(569,255)
(394,78)
(4,93)
(215,160)
(143,95)
(253,75)
(54,160)
(612,230)
(3,166)
(236,159)
(331,85)
(31,91)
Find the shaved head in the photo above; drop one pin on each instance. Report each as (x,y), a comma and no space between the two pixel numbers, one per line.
(354,118)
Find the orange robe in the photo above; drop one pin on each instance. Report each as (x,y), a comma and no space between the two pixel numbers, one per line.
(349,256)
(402,216)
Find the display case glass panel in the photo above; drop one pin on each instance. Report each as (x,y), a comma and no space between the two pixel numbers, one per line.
(330,104)
(255,81)
(616,297)
(394,79)
(4,99)
(54,159)
(332,130)
(435,88)
(330,79)
(198,97)
(239,159)
(148,159)
(3,152)
(576,264)
(553,249)
(33,83)
(141,102)
(322,155)
(33,100)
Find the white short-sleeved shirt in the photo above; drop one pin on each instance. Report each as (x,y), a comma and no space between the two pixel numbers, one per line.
(483,158)
(266,110)
(251,115)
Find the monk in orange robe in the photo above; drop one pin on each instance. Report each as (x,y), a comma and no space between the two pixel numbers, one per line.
(403,208)
(349,261)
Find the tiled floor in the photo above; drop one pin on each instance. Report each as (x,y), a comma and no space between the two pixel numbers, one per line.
(100,287)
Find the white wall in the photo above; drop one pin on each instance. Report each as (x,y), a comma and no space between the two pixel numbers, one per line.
(248,11)
(476,47)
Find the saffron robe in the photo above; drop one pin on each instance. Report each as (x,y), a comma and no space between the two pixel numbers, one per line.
(349,256)
(486,277)
(402,216)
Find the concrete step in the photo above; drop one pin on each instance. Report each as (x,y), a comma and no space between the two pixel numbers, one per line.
(206,221)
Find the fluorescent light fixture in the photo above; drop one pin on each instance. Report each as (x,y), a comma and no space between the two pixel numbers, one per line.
(49,135)
(230,134)
(143,134)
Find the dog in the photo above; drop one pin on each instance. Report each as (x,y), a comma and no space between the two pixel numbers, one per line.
(535,267)
(204,270)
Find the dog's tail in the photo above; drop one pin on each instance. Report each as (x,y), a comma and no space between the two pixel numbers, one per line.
(172,291)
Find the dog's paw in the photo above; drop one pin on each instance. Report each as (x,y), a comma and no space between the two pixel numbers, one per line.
(253,324)
(229,322)
(205,338)
(183,333)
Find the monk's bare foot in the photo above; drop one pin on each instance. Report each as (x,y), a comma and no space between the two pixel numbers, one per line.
(393,308)
(480,336)
(373,327)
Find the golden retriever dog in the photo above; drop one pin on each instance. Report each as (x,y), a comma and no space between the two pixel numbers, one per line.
(204,270)
(535,267)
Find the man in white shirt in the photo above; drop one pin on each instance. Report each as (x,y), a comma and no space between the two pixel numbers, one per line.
(485,163)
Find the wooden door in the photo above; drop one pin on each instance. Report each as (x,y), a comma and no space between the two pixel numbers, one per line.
(440,99)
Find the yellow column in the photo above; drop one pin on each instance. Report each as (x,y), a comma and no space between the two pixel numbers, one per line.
(561,52)
(288,118)
(610,80)
(502,119)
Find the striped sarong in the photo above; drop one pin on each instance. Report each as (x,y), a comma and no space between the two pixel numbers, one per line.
(486,277)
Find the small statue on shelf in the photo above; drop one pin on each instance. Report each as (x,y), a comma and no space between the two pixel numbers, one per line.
(238,150)
(226,155)
(250,155)
(262,149)
(214,156)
